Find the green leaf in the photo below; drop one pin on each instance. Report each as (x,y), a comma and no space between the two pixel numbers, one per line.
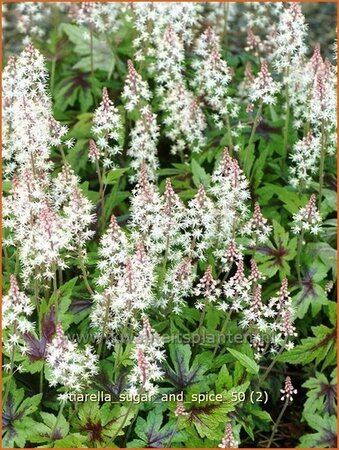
(17,410)
(326,253)
(152,434)
(73,440)
(326,436)
(114,199)
(250,365)
(82,129)
(122,417)
(93,196)
(258,168)
(224,379)
(321,347)
(100,54)
(321,394)
(199,174)
(113,175)
(184,373)
(78,155)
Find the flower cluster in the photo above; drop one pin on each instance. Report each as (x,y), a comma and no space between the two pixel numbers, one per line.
(228,440)
(290,38)
(305,157)
(288,391)
(201,223)
(148,356)
(170,59)
(284,311)
(136,90)
(71,367)
(257,227)
(145,220)
(308,219)
(184,120)
(212,81)
(230,188)
(150,21)
(177,285)
(143,145)
(274,319)
(106,126)
(42,214)
(207,288)
(128,282)
(16,308)
(263,87)
(144,135)
(103,17)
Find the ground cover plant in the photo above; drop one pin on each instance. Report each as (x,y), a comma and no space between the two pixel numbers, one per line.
(169,225)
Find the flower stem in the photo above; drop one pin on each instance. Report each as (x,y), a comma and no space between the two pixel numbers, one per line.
(41,384)
(322,163)
(123,422)
(299,250)
(52,82)
(84,273)
(6,259)
(8,386)
(224,32)
(166,252)
(119,353)
(91,52)
(254,128)
(57,419)
(102,338)
(277,424)
(37,304)
(201,321)
(287,118)
(55,292)
(101,188)
(17,263)
(270,367)
(222,331)
(229,134)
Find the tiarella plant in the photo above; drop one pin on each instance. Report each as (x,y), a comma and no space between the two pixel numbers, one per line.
(169,219)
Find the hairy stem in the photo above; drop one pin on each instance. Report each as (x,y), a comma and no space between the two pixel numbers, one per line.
(52,82)
(123,422)
(101,191)
(299,250)
(223,329)
(6,259)
(9,382)
(17,263)
(41,383)
(270,367)
(226,7)
(62,405)
(229,134)
(166,252)
(254,128)
(201,321)
(84,272)
(55,292)
(322,164)
(277,423)
(287,118)
(102,338)
(37,303)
